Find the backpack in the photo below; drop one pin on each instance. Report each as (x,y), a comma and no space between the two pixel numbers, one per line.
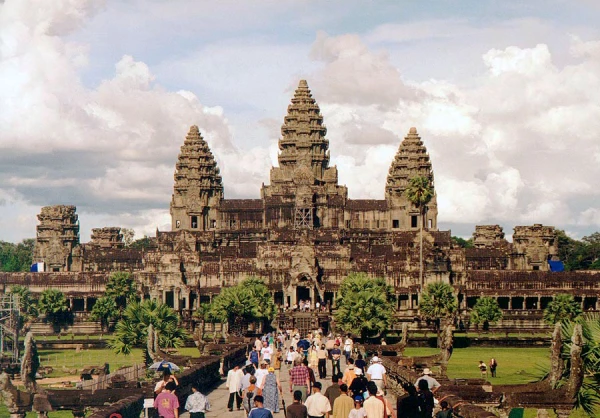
(254,356)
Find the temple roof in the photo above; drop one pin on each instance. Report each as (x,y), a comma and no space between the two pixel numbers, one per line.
(411,160)
(197,176)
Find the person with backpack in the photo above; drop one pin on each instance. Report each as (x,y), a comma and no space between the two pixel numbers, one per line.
(446,411)
(249,394)
(426,397)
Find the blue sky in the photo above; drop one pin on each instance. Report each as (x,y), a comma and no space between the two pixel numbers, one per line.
(96,98)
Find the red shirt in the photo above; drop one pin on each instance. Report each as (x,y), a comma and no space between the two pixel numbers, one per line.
(299,375)
(166,403)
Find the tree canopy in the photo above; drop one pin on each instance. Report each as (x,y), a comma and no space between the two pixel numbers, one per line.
(438,301)
(419,191)
(579,255)
(562,308)
(53,304)
(249,301)
(364,305)
(132,329)
(121,287)
(104,310)
(461,242)
(16,257)
(486,311)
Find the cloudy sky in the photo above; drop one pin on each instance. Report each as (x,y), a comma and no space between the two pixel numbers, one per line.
(96,98)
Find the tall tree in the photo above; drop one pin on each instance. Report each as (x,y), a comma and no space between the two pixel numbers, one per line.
(562,308)
(132,329)
(27,304)
(105,310)
(202,315)
(420,192)
(16,257)
(364,306)
(588,397)
(121,287)
(53,304)
(486,311)
(248,301)
(438,303)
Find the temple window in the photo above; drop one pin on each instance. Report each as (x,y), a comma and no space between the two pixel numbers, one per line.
(178,224)
(213,223)
(430,223)
(194,222)
(414,221)
(396,224)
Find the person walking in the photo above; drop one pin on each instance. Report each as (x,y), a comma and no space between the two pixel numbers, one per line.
(336,354)
(299,378)
(482,369)
(376,373)
(344,404)
(271,390)
(334,390)
(234,384)
(426,397)
(259,411)
(349,373)
(167,402)
(432,383)
(493,366)
(322,362)
(358,411)
(249,394)
(161,384)
(409,405)
(317,405)
(359,383)
(197,404)
(348,347)
(296,409)
(374,408)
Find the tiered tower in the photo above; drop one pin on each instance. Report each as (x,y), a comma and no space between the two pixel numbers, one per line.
(57,237)
(198,186)
(303,184)
(411,160)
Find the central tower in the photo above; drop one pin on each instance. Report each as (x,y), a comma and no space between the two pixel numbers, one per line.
(303,193)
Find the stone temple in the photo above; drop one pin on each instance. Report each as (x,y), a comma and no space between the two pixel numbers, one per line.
(303,237)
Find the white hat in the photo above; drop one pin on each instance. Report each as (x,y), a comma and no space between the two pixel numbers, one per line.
(375,359)
(426,370)
(358,371)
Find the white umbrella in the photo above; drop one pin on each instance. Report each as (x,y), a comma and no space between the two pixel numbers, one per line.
(164,365)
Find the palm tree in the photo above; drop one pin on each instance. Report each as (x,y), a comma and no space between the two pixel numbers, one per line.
(438,302)
(121,287)
(420,192)
(27,304)
(53,304)
(562,308)
(104,310)
(202,314)
(250,300)
(588,396)
(364,306)
(486,310)
(132,329)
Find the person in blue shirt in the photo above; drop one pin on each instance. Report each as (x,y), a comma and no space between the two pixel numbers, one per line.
(259,411)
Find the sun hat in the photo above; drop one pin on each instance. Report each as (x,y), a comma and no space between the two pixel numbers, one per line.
(358,372)
(426,371)
(358,398)
(271,369)
(375,359)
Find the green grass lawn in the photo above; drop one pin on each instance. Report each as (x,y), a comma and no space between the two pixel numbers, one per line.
(515,365)
(55,414)
(65,361)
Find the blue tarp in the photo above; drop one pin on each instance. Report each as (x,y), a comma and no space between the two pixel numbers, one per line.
(556,266)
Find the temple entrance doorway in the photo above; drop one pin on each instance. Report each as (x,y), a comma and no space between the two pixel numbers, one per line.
(302,293)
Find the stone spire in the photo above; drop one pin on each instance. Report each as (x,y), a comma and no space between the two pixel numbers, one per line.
(198,183)
(304,149)
(410,161)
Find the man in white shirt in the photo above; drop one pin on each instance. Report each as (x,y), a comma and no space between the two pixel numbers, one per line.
(260,374)
(376,373)
(317,404)
(266,353)
(234,383)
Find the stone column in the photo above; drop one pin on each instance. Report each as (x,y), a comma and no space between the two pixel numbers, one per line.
(164,296)
(176,297)
(510,302)
(597,303)
(85,304)
(71,302)
(539,303)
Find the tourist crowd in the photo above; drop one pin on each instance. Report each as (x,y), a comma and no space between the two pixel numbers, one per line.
(357,391)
